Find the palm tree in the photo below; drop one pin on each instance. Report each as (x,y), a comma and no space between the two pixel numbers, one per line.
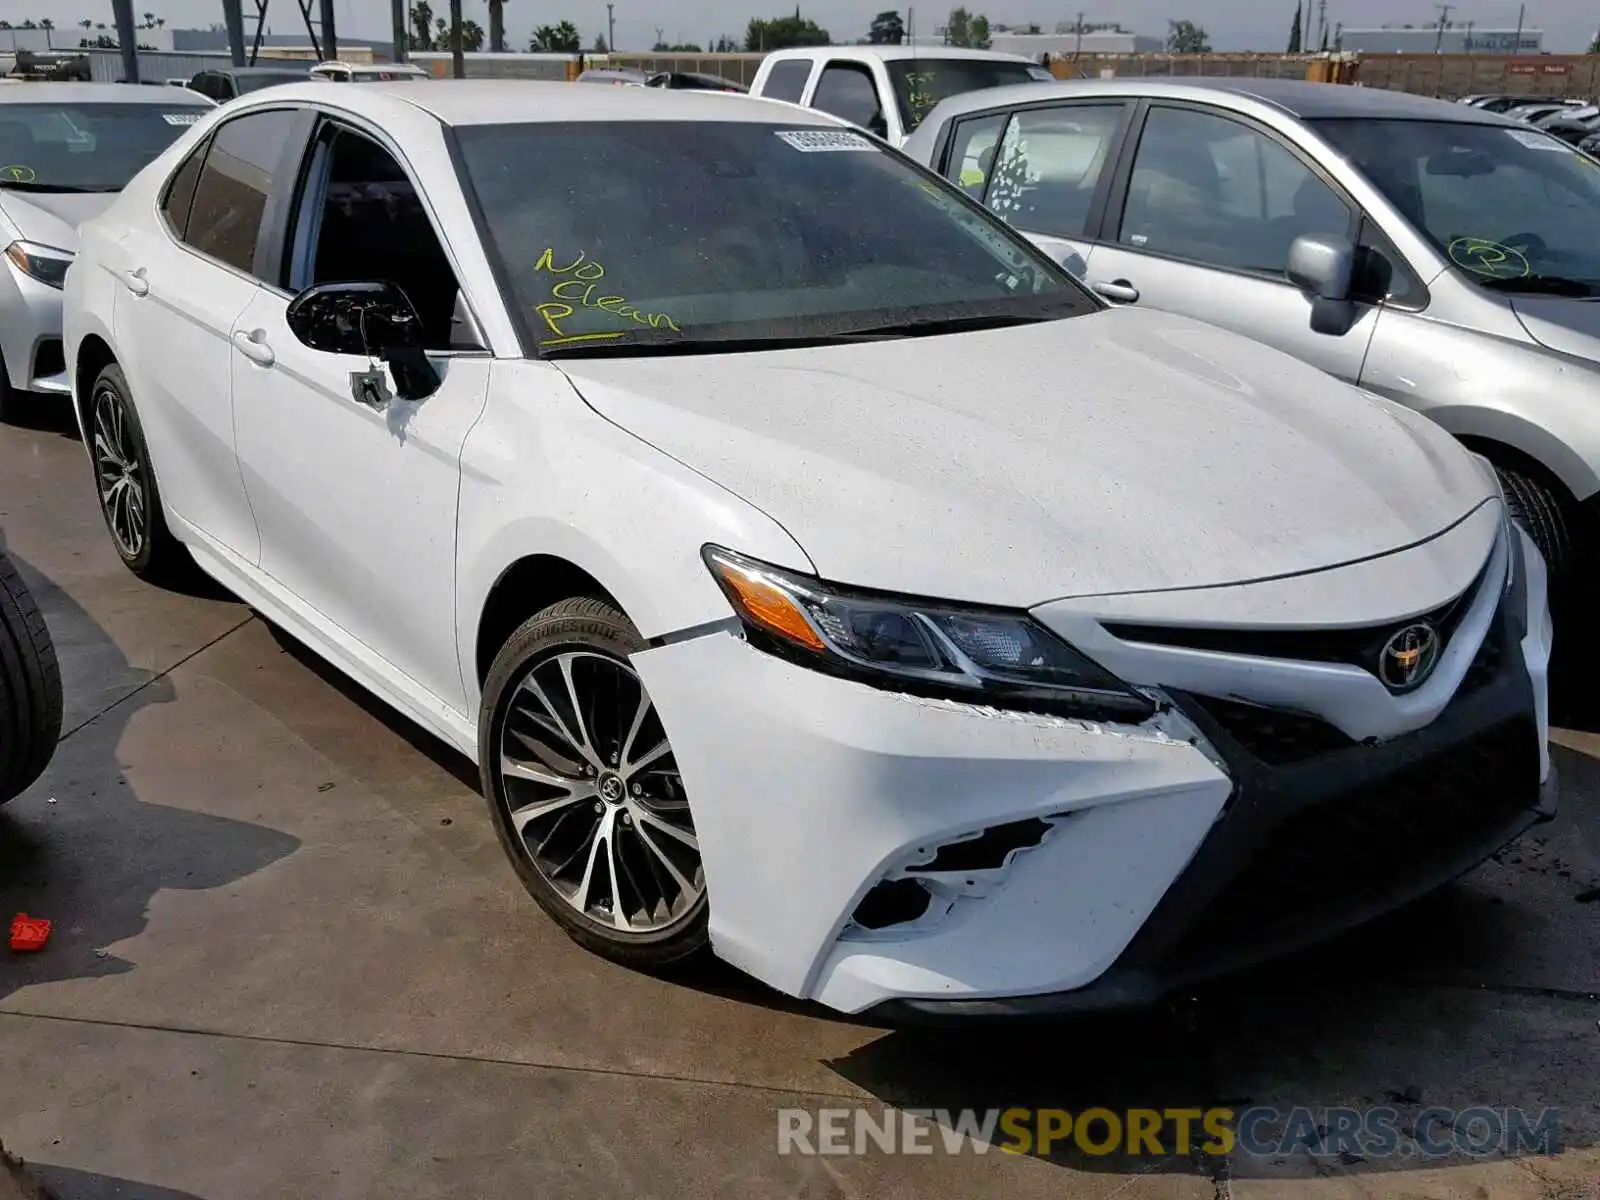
(497,26)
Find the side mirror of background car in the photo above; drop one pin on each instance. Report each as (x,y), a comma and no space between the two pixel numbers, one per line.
(1322,265)
(372,318)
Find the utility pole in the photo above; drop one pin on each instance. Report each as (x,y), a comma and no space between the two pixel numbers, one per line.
(458,61)
(1322,21)
(127,39)
(330,37)
(233,17)
(611,28)
(397,21)
(1444,19)
(1516,45)
(1078,49)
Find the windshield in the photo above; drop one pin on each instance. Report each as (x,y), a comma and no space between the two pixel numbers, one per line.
(252,83)
(920,83)
(85,147)
(1514,209)
(724,235)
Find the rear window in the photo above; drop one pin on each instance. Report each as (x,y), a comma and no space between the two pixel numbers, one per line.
(704,231)
(920,83)
(86,147)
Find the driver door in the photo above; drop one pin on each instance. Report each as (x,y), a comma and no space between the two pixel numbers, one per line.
(356,501)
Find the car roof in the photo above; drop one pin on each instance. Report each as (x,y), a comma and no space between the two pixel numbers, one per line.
(460,102)
(897,53)
(101,93)
(1295,97)
(296,69)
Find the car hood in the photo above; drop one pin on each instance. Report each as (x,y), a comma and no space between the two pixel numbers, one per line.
(52,218)
(1116,452)
(1559,323)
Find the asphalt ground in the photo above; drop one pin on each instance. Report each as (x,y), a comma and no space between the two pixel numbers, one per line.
(289,960)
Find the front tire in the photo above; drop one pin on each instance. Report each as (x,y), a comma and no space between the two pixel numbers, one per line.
(585,792)
(1544,514)
(30,687)
(125,481)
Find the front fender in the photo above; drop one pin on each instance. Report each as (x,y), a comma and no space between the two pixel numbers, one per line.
(544,474)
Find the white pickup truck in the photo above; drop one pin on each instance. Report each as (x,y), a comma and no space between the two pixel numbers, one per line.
(885,89)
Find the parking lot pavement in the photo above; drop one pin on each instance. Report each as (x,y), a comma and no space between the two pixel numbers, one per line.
(290,960)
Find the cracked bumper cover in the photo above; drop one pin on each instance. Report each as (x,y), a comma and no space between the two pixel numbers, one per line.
(811,790)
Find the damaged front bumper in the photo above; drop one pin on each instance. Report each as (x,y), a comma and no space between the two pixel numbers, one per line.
(924,858)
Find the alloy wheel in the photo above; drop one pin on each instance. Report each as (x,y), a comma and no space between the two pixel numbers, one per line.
(594,795)
(120,473)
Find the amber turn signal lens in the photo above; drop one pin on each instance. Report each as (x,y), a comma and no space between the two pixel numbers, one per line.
(765,605)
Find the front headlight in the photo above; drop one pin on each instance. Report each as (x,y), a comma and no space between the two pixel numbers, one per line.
(982,656)
(47,264)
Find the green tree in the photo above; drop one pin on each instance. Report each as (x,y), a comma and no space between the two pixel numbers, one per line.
(421,14)
(1185,37)
(1594,46)
(958,28)
(781,32)
(676,48)
(562,38)
(979,38)
(599,46)
(726,45)
(1294,32)
(887,30)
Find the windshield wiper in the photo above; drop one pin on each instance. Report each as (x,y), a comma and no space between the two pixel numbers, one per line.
(662,344)
(18,185)
(1541,285)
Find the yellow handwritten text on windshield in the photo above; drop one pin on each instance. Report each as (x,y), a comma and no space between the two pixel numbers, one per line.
(579,288)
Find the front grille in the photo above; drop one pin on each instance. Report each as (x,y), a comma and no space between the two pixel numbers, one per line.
(1355,647)
(1340,854)
(1277,738)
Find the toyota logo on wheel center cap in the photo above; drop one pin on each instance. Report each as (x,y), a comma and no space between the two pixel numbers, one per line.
(1408,658)
(611,789)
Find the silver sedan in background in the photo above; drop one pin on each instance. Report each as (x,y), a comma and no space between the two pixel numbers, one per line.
(65,150)
(1434,253)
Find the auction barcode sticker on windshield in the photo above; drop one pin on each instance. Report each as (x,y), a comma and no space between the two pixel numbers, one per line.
(188,118)
(1536,141)
(813,141)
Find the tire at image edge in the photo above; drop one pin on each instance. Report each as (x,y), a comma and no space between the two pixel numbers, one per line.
(30,686)
(581,623)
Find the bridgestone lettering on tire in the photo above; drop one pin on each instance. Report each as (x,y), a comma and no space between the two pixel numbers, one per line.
(30,687)
(585,792)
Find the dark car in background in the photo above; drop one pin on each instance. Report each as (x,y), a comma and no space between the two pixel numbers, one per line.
(226,83)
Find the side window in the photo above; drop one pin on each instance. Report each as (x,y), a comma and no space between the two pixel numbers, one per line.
(973,147)
(360,218)
(1049,165)
(1381,274)
(179,198)
(846,90)
(788,80)
(230,198)
(1218,192)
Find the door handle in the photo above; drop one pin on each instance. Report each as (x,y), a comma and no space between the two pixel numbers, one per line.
(1118,291)
(136,282)
(253,345)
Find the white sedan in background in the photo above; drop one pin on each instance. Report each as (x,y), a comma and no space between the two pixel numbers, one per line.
(814,569)
(65,150)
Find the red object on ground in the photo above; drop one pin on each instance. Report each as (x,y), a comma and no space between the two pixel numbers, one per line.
(29,933)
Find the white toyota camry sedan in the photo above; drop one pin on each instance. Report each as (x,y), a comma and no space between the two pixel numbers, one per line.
(815,571)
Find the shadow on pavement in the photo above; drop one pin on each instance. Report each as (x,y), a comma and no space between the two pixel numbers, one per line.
(81,849)
(68,1184)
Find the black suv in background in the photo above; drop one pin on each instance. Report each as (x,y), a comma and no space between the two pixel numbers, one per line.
(226,83)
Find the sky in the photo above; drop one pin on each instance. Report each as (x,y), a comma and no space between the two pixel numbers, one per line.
(1231,24)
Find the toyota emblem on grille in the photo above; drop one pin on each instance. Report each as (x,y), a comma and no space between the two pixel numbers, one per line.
(1407,658)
